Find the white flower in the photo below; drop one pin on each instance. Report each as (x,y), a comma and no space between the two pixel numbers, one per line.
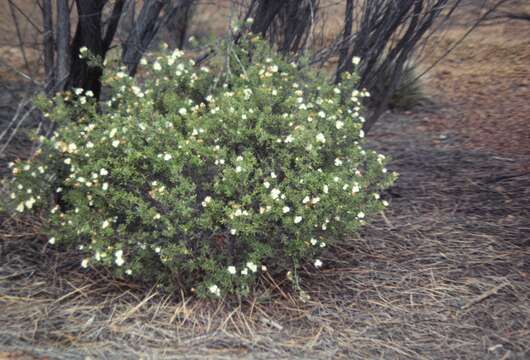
(252,267)
(157,66)
(385,203)
(306,200)
(51,240)
(377,196)
(385,170)
(297,219)
(321,138)
(206,201)
(315,200)
(360,215)
(238,169)
(313,242)
(29,203)
(233,231)
(105,224)
(318,263)
(275,193)
(183,111)
(137,91)
(167,157)
(113,132)
(105,186)
(103,172)
(78,91)
(286,209)
(339,124)
(232,270)
(326,189)
(83,50)
(289,139)
(244,271)
(263,268)
(356,60)
(84,263)
(67,161)
(338,162)
(322,244)
(273,175)
(89,93)
(214,289)
(266,184)
(115,143)
(322,114)
(355,188)
(128,272)
(119,260)
(361,133)
(89,145)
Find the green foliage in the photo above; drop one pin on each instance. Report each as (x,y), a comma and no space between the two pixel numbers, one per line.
(203,178)
(408,93)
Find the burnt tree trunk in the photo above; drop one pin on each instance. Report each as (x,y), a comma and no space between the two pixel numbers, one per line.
(63,44)
(49,46)
(143,32)
(88,34)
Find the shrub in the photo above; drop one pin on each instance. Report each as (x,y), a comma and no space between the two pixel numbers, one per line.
(409,92)
(202,178)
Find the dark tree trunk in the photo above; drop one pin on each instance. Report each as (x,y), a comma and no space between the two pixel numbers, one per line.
(63,44)
(144,30)
(88,34)
(49,46)
(264,15)
(347,33)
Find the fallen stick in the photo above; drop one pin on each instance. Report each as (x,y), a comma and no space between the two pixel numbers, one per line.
(485,295)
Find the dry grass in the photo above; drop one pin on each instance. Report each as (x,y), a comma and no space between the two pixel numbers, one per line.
(444,274)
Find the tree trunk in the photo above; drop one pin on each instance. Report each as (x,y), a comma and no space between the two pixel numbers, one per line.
(63,44)
(88,34)
(141,35)
(344,50)
(49,46)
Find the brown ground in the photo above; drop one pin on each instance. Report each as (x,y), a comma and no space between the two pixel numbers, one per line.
(444,274)
(483,90)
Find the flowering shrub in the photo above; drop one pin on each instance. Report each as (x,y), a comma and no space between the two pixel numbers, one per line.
(204,178)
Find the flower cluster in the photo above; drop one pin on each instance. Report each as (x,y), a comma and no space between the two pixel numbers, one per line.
(205,178)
